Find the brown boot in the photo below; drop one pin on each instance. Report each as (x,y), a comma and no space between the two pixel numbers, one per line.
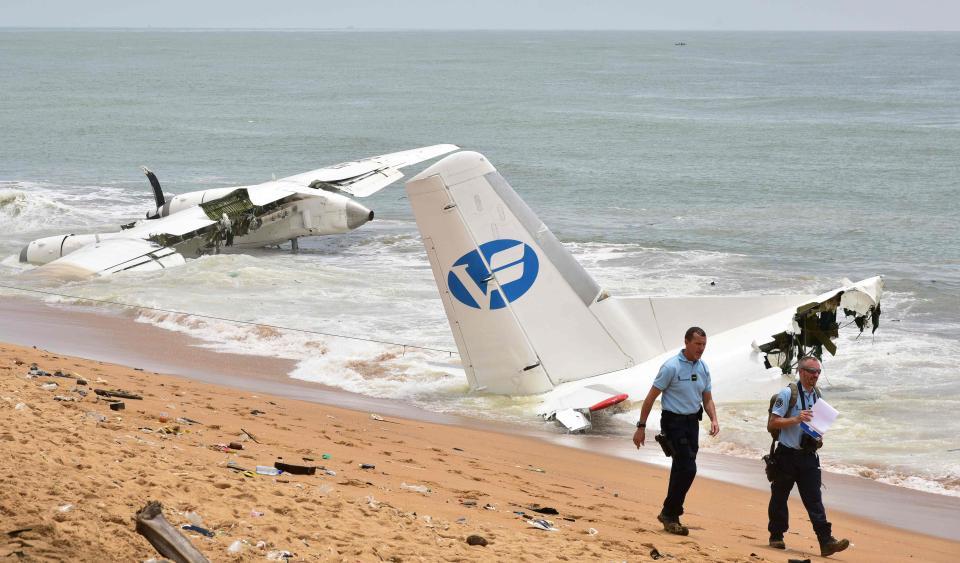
(832,546)
(672,526)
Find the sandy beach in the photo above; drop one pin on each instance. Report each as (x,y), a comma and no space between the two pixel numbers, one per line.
(75,473)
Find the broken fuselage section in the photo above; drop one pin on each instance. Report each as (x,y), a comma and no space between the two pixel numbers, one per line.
(236,221)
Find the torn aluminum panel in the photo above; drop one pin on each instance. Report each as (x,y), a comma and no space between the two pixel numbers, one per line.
(815,325)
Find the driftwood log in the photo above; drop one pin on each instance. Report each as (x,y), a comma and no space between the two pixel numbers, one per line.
(167,540)
(117,393)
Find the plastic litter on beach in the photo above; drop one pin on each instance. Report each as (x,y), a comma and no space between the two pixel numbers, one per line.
(379,418)
(235,547)
(422,489)
(267,470)
(49,386)
(231,465)
(542,525)
(324,489)
(92,415)
(592,531)
(198,529)
(367,466)
(531,468)
(280,555)
(193,518)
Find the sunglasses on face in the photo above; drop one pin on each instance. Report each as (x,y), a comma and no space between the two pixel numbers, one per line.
(812,370)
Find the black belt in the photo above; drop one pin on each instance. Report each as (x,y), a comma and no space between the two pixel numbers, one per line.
(695,416)
(792,451)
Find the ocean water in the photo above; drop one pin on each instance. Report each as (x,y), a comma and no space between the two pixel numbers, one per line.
(762,162)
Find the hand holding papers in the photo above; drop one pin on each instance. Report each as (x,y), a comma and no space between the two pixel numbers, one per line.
(823,417)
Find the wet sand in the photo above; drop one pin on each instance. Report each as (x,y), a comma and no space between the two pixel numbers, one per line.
(58,454)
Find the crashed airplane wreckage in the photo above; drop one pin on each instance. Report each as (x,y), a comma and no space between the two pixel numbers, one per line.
(528,319)
(309,204)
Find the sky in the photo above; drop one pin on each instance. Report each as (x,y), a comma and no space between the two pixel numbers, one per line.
(790,15)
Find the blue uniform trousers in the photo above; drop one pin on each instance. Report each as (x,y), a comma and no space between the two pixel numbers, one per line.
(802,468)
(683,433)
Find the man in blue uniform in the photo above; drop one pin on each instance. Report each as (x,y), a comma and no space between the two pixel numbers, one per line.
(797,462)
(684,381)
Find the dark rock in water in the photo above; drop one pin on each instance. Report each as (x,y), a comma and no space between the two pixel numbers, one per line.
(477,540)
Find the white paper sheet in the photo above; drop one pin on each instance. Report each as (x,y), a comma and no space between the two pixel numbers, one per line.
(823,417)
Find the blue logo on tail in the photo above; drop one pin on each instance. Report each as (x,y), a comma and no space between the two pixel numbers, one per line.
(515,264)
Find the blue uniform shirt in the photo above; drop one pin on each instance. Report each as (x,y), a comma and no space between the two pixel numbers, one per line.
(790,436)
(683,384)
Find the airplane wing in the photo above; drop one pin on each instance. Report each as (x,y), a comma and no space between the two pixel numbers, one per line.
(178,224)
(361,178)
(109,257)
(147,246)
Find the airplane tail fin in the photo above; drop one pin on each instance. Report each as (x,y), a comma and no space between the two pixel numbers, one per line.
(518,303)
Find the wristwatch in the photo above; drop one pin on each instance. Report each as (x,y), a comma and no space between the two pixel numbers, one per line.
(641,424)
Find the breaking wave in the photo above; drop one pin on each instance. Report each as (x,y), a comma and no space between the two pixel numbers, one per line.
(40,209)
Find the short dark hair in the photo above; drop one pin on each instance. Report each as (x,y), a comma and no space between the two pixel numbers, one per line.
(693,330)
(807,358)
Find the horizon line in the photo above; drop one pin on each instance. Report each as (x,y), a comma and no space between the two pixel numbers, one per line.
(455,29)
